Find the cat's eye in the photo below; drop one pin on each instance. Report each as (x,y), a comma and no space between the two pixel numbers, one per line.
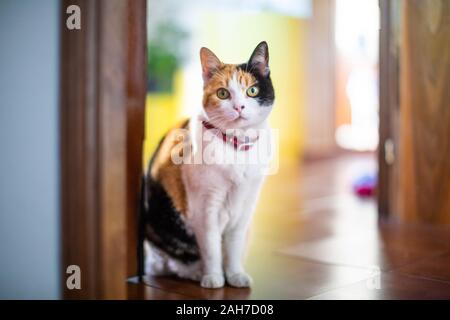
(223,93)
(252,91)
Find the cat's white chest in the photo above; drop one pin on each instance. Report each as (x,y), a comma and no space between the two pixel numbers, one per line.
(241,173)
(237,166)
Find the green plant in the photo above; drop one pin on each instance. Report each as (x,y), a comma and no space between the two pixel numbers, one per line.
(165,56)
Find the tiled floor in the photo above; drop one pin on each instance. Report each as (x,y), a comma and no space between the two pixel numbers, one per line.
(313,239)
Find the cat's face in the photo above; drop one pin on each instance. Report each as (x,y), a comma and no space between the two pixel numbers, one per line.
(237,96)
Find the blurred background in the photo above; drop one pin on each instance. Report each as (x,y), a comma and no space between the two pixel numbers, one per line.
(323,59)
(324,66)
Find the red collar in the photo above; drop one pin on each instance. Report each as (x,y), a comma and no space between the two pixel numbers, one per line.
(240,145)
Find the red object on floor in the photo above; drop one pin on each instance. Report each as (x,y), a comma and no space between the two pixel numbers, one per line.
(365,186)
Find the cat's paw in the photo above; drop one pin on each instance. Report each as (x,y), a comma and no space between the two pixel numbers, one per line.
(213,280)
(239,280)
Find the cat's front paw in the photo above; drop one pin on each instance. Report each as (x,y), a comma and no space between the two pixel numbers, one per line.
(239,280)
(213,280)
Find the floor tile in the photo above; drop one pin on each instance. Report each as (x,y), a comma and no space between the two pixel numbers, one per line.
(434,268)
(140,291)
(392,287)
(276,278)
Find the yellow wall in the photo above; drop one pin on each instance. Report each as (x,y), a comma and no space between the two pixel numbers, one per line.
(233,37)
(161,113)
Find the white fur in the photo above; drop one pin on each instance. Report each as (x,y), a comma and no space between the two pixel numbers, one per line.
(157,263)
(221,199)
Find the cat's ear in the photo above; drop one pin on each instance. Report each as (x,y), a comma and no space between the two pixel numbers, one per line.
(210,63)
(259,59)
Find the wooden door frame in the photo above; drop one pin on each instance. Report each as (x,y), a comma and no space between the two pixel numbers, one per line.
(321,68)
(389,103)
(102,101)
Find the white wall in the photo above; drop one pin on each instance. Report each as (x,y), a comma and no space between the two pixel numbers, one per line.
(29,176)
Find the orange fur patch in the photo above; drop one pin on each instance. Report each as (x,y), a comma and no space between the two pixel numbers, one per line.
(167,173)
(220,80)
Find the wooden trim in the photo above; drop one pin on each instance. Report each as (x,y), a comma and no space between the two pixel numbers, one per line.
(389,103)
(136,92)
(102,107)
(384,132)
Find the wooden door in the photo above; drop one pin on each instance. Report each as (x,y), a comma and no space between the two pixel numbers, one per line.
(102,129)
(421,128)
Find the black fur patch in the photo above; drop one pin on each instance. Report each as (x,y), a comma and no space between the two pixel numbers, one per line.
(164,226)
(266,94)
(161,224)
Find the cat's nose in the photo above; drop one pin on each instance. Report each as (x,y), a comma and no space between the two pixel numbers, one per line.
(239,108)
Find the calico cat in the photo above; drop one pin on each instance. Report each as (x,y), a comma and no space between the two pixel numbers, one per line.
(195,216)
